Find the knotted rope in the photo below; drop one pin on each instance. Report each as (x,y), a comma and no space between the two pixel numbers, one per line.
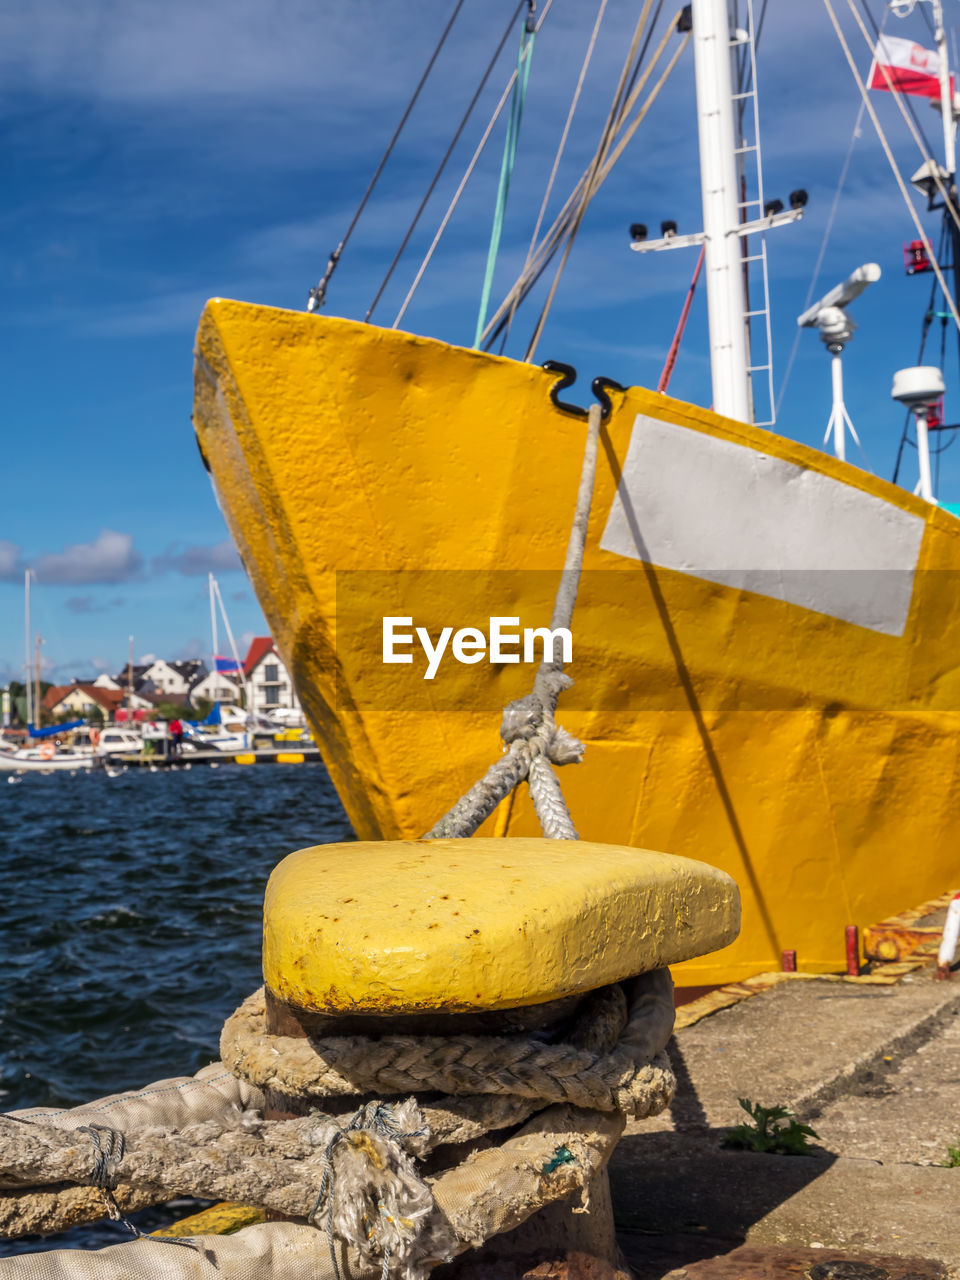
(533,740)
(109,1146)
(372,1195)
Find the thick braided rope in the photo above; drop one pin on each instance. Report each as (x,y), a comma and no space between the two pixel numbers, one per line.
(634,1078)
(548,801)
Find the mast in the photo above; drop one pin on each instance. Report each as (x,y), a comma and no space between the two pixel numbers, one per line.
(721,216)
(130,682)
(211,586)
(215,595)
(36,678)
(946,98)
(26,641)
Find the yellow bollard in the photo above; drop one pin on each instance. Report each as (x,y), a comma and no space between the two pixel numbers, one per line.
(483,938)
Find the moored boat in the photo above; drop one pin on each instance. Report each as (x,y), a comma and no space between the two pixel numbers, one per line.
(40,760)
(763,637)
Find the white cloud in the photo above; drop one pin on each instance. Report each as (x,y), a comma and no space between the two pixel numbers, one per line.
(111,557)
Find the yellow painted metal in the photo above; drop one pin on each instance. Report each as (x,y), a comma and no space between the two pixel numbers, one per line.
(815,761)
(219,1220)
(290,757)
(450,925)
(247,757)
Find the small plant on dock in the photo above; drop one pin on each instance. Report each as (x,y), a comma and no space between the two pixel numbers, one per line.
(953,1156)
(772,1130)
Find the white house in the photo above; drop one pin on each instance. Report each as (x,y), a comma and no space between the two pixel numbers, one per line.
(268,682)
(103,681)
(166,679)
(215,686)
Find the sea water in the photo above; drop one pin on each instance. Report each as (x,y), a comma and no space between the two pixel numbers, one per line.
(130,918)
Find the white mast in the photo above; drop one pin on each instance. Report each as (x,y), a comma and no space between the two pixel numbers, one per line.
(946,98)
(217,598)
(920,387)
(721,215)
(130,681)
(26,630)
(211,583)
(723,225)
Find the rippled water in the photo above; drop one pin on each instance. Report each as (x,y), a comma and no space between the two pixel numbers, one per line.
(131,915)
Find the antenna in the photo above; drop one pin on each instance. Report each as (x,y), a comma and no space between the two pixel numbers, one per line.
(919,388)
(836,328)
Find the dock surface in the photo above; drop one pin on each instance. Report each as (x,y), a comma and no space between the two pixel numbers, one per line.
(875,1069)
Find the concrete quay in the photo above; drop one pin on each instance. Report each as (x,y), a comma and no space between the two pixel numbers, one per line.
(873,1065)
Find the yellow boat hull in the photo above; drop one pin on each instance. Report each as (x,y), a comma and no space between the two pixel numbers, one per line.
(787,721)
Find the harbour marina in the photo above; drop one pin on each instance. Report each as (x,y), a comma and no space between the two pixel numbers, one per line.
(468,1005)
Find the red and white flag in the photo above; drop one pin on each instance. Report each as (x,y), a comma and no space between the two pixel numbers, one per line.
(910,67)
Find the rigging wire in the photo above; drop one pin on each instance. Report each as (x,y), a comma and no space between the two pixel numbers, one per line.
(827,231)
(443,163)
(763,14)
(891,160)
(589,182)
(645,46)
(451,207)
(318,293)
(507,163)
(908,103)
(928,318)
(571,112)
(604,162)
(926,18)
(899,99)
(935,171)
(554,237)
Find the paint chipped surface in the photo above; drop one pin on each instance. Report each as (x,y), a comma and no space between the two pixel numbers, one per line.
(403,926)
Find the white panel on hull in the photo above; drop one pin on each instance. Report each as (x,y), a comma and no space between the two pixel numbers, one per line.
(728,513)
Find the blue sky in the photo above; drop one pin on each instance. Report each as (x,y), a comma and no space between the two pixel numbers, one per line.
(155,155)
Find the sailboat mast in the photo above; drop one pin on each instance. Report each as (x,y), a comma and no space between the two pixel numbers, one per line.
(721,214)
(130,681)
(211,585)
(36,680)
(26,637)
(215,589)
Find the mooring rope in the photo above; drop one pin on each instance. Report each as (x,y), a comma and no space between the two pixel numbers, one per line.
(533,740)
(351,1164)
(625,1076)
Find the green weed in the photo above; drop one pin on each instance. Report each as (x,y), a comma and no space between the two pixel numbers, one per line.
(953,1156)
(771,1130)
